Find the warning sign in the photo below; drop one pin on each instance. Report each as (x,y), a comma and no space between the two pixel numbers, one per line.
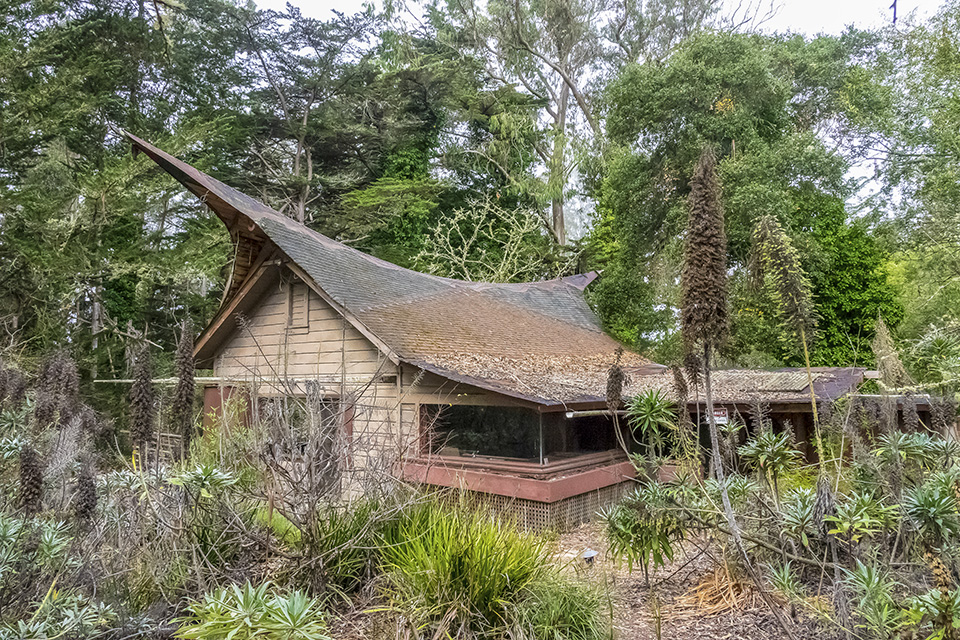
(720,415)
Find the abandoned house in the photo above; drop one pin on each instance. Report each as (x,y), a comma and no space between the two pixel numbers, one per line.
(494,388)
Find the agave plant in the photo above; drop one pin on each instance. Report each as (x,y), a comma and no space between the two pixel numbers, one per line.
(772,454)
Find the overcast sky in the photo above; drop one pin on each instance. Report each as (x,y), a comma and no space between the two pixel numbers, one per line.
(804,16)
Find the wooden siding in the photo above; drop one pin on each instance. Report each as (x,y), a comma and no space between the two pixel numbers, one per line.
(292,333)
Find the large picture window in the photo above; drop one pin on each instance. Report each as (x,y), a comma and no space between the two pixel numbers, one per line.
(507,432)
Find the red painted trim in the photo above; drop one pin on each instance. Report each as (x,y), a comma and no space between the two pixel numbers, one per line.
(541,490)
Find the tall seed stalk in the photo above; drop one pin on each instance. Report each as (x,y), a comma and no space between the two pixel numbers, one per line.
(776,261)
(704,321)
(183,395)
(142,417)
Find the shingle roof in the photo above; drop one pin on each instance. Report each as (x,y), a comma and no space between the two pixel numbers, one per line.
(436,323)
(583,381)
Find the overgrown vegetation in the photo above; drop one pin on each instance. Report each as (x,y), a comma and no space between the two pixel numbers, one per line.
(225,542)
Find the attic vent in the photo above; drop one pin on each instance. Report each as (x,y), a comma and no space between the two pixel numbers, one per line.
(298,306)
(786,381)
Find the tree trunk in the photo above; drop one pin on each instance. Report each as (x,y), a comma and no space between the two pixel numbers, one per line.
(557,179)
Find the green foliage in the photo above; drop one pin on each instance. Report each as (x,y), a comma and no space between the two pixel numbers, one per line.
(917,448)
(653,415)
(562,609)
(798,512)
(784,579)
(343,542)
(877,609)
(931,509)
(243,612)
(458,568)
(861,515)
(63,614)
(771,453)
(938,613)
(644,527)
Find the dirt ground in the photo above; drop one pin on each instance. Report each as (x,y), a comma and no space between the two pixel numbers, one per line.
(672,588)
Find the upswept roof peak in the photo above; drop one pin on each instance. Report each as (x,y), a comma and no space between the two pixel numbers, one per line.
(424,319)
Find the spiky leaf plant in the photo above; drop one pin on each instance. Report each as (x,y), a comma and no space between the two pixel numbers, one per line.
(653,415)
(142,418)
(245,612)
(31,480)
(931,509)
(183,394)
(772,455)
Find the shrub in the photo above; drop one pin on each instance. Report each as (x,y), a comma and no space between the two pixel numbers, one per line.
(643,528)
(344,543)
(558,609)
(772,454)
(876,608)
(861,515)
(653,415)
(458,569)
(246,612)
(798,511)
(932,511)
(937,613)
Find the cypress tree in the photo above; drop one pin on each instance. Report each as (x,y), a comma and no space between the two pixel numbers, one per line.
(183,395)
(141,401)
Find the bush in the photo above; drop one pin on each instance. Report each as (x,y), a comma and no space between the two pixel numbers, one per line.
(459,569)
(246,612)
(343,541)
(644,527)
(558,609)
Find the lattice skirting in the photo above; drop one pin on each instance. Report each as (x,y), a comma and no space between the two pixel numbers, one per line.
(560,516)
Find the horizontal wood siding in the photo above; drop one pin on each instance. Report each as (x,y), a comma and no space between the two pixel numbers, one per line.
(320,345)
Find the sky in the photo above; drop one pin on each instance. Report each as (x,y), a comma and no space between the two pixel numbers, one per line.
(802,16)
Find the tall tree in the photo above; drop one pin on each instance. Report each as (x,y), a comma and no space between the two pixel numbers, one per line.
(786,116)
